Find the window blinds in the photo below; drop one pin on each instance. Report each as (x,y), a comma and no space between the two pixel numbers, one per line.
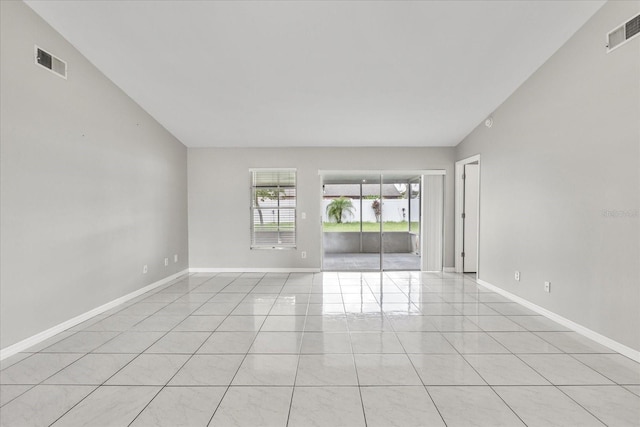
(273,208)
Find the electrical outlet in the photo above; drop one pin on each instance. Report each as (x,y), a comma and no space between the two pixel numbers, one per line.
(517,276)
(303,254)
(145,269)
(175,258)
(166,262)
(547,287)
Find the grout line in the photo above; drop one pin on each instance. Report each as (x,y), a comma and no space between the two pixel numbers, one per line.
(241,363)
(579,404)
(353,354)
(115,373)
(399,285)
(295,378)
(507,405)
(183,364)
(420,377)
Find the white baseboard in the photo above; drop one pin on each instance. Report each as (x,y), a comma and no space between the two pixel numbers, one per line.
(582,330)
(253,270)
(280,270)
(38,338)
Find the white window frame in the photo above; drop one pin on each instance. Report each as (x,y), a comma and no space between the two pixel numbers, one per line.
(279,244)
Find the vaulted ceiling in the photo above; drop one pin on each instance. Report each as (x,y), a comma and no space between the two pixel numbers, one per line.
(317,73)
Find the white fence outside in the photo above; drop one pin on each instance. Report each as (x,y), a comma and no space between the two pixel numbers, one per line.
(392,210)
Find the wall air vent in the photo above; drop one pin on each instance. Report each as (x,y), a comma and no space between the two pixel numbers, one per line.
(623,33)
(50,62)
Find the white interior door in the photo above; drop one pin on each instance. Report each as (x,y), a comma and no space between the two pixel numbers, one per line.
(470,218)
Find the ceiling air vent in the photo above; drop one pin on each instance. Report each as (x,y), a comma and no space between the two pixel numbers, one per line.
(623,33)
(51,63)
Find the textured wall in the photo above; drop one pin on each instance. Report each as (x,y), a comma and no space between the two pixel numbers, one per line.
(563,152)
(219,194)
(92,187)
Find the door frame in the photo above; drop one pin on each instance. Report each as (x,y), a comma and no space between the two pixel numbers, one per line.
(459,206)
(419,172)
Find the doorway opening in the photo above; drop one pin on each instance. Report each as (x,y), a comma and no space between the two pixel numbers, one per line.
(373,221)
(468,215)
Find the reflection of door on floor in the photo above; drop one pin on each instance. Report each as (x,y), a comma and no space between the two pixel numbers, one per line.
(470,218)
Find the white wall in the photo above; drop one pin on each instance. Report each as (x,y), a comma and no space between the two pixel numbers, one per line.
(219,198)
(92,187)
(563,149)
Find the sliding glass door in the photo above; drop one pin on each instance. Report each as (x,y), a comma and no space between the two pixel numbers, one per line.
(383,221)
(401,222)
(351,222)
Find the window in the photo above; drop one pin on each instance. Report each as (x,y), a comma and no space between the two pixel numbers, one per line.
(273,208)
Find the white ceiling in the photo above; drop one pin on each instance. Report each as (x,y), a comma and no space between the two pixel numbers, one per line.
(323,73)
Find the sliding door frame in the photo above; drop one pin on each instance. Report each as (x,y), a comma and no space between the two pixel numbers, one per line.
(422,173)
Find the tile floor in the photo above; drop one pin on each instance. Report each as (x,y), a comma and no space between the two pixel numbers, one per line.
(328,349)
(368,262)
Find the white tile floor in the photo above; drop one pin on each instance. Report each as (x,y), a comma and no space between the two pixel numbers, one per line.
(331,349)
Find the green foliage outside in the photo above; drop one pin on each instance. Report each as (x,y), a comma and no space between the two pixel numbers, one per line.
(262,194)
(273,226)
(338,208)
(329,227)
(389,226)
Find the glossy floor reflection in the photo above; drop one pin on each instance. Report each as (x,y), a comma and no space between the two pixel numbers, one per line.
(368,262)
(327,349)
